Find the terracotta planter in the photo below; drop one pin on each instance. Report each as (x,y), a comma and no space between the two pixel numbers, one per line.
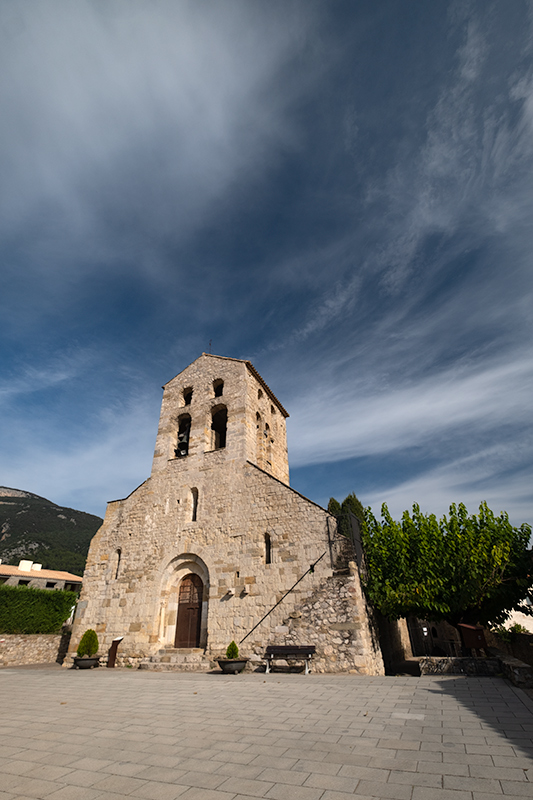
(86,662)
(232,666)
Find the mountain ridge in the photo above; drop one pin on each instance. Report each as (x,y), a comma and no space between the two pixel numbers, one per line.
(36,528)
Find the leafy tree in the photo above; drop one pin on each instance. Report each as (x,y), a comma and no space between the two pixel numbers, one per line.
(471,569)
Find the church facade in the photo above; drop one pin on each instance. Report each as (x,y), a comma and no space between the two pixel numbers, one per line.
(199,553)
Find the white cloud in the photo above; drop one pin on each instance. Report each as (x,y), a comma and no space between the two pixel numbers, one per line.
(339,422)
(157,108)
(469,480)
(91,469)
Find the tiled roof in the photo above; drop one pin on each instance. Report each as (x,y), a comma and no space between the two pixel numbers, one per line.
(49,574)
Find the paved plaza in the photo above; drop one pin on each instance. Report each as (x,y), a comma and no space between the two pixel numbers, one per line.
(95,734)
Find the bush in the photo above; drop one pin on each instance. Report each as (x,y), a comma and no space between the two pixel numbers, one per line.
(232,651)
(25,609)
(88,645)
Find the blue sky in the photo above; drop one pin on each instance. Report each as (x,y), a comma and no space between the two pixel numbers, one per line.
(340,192)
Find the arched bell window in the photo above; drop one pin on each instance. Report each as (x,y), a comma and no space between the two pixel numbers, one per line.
(184,432)
(218,387)
(219,424)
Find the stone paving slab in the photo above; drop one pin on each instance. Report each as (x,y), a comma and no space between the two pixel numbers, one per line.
(118,734)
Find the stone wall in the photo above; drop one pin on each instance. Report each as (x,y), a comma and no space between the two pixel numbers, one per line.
(518,645)
(39,648)
(334,618)
(516,671)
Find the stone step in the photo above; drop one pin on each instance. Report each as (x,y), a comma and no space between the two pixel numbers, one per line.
(158,666)
(178,659)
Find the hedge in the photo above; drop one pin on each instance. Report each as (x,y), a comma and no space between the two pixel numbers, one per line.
(24,609)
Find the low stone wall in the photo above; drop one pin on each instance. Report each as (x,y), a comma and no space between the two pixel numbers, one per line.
(38,648)
(516,671)
(448,665)
(518,645)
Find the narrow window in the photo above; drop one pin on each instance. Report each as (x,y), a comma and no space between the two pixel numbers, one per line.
(218,388)
(268,549)
(184,431)
(259,394)
(272,410)
(194,493)
(259,441)
(118,555)
(187,396)
(219,423)
(268,445)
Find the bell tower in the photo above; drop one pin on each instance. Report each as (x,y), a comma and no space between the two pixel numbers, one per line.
(220,410)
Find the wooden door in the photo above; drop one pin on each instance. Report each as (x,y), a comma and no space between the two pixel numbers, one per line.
(189,611)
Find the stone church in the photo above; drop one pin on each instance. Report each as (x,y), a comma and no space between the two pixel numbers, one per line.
(207,546)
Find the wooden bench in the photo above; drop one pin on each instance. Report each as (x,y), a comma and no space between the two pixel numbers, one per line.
(301,652)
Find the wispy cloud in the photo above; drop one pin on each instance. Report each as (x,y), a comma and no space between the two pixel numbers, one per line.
(455,404)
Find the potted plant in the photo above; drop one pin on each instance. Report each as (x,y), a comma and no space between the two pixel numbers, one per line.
(86,657)
(233,663)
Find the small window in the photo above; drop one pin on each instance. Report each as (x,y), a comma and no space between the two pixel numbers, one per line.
(219,423)
(218,388)
(184,432)
(268,549)
(50,584)
(187,396)
(118,555)
(194,494)
(272,410)
(259,394)
(24,583)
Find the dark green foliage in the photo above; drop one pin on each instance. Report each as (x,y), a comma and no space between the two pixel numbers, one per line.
(353,504)
(232,651)
(350,505)
(54,536)
(24,609)
(461,568)
(88,645)
(334,507)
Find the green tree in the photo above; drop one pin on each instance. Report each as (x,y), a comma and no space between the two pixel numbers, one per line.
(350,504)
(461,568)
(353,504)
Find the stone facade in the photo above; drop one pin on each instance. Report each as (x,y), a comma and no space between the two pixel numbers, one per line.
(218,513)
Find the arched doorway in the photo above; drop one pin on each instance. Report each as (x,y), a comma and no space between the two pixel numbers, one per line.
(189,611)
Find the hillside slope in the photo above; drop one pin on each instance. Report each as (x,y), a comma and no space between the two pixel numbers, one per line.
(35,528)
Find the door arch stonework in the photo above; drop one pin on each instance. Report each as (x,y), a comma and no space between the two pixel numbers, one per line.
(173,575)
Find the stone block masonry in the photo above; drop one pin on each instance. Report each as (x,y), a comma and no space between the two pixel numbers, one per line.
(38,648)
(205,547)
